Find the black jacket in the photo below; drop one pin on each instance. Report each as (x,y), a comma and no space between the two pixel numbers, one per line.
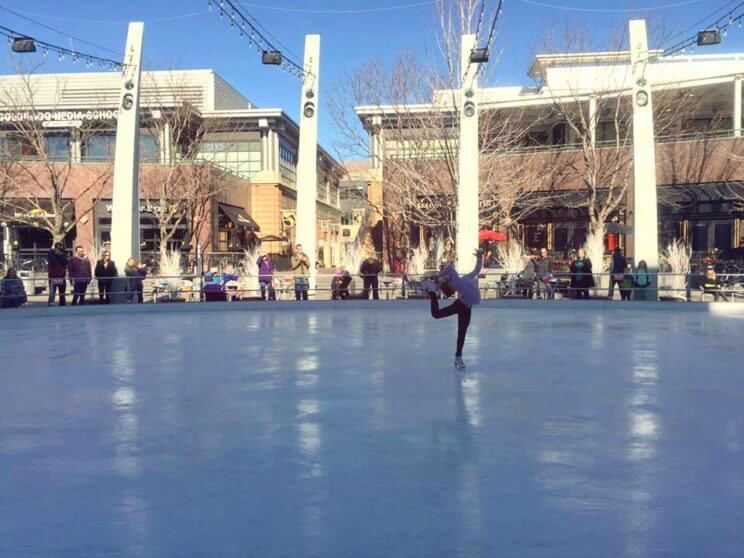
(104,272)
(370,267)
(544,266)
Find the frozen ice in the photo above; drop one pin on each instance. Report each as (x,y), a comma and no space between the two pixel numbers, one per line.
(346,432)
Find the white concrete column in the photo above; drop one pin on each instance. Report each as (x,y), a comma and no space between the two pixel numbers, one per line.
(125,235)
(737,106)
(166,141)
(645,211)
(593,121)
(467,189)
(307,156)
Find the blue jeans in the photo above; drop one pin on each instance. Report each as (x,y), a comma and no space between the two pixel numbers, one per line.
(61,288)
(266,286)
(301,286)
(79,286)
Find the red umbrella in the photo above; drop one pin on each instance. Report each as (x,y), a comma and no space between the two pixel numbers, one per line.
(491,236)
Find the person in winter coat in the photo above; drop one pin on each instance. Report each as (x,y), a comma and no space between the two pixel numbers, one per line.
(544,270)
(12,291)
(301,272)
(712,285)
(581,275)
(105,273)
(617,270)
(340,284)
(468,295)
(57,272)
(266,276)
(135,273)
(642,282)
(80,275)
(399,259)
(369,270)
(626,287)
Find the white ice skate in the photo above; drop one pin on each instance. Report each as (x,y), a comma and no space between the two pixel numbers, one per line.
(459,364)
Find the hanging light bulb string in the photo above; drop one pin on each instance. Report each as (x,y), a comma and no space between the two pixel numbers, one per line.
(722,24)
(62,52)
(247,26)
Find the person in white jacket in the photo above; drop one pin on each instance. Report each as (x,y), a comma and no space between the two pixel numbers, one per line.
(468,295)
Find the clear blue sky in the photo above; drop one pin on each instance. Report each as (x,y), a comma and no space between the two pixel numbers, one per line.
(184,34)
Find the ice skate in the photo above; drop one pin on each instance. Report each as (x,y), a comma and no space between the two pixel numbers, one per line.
(459,364)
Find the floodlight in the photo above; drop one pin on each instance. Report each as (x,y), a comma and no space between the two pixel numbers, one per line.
(709,37)
(23,44)
(272,57)
(479,56)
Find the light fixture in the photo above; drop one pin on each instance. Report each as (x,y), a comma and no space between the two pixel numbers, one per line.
(479,56)
(469,109)
(709,37)
(271,57)
(309,110)
(23,45)
(642,98)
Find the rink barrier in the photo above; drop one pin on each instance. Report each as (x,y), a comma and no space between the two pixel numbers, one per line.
(191,288)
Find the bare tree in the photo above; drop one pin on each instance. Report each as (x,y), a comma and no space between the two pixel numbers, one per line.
(41,183)
(182,189)
(411,110)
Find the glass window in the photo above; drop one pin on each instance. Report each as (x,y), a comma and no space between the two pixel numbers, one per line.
(99,148)
(148,149)
(723,236)
(700,237)
(57,147)
(242,158)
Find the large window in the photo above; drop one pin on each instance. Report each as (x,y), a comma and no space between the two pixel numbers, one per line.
(102,147)
(287,162)
(239,157)
(57,147)
(99,148)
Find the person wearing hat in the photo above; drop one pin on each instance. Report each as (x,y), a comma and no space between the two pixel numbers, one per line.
(340,284)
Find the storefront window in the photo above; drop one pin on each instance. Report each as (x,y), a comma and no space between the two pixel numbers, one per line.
(723,236)
(700,237)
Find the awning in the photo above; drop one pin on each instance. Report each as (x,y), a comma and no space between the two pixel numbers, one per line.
(239,217)
(273,238)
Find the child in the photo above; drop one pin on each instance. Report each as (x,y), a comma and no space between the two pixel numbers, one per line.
(12,291)
(626,285)
(450,282)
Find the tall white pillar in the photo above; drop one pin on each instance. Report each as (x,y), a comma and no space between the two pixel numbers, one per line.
(125,236)
(645,211)
(593,121)
(307,156)
(467,189)
(737,106)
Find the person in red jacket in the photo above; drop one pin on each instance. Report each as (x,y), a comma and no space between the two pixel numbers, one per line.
(57,272)
(80,274)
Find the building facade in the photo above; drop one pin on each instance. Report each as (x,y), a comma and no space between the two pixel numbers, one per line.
(556,156)
(215,170)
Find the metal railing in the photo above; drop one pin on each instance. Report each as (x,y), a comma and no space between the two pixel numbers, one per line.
(35,289)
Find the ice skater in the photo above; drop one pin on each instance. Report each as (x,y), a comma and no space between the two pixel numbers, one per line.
(468,295)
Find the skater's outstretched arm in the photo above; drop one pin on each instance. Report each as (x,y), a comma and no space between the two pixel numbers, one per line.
(478,265)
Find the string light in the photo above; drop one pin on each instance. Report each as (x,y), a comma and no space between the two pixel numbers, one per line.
(256,38)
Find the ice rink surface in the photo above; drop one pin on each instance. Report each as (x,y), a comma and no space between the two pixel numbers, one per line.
(348,434)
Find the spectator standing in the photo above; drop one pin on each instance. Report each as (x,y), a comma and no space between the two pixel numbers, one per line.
(448,254)
(301,272)
(626,287)
(12,291)
(581,275)
(80,275)
(529,278)
(369,270)
(642,282)
(711,284)
(105,273)
(617,270)
(57,272)
(135,273)
(266,276)
(544,270)
(399,259)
